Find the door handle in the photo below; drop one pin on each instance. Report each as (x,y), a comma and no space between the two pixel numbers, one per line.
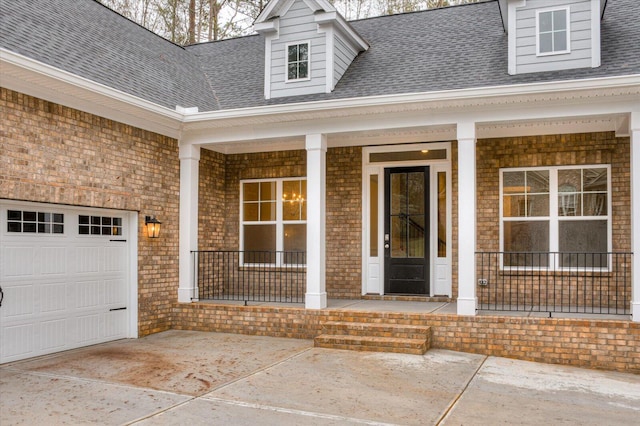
(1,295)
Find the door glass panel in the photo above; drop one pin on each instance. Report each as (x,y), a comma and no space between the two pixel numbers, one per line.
(398,236)
(415,233)
(373,216)
(415,193)
(442,214)
(398,194)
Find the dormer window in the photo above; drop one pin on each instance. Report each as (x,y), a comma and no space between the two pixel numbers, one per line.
(298,61)
(553,31)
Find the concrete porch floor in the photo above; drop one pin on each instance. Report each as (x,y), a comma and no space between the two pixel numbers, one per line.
(409,306)
(187,377)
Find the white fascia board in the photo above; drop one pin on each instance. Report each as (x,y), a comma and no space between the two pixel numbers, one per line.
(34,78)
(471,95)
(266,27)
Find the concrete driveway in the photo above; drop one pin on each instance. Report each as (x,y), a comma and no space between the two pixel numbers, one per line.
(190,378)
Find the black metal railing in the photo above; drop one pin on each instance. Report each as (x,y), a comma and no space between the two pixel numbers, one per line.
(593,283)
(258,276)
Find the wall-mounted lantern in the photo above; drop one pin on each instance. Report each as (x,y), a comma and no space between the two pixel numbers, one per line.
(153,226)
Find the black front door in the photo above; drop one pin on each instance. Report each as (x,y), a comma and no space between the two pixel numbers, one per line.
(406,238)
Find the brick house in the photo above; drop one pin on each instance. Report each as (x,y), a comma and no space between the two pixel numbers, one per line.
(487,154)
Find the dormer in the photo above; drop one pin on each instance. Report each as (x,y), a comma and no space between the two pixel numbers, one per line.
(308,47)
(551,35)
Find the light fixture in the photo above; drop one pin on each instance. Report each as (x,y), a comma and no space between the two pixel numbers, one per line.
(153,226)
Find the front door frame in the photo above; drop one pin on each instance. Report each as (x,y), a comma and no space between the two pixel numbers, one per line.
(373,251)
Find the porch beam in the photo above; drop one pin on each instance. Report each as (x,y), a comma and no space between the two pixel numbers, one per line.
(467,300)
(316,294)
(635,215)
(189,181)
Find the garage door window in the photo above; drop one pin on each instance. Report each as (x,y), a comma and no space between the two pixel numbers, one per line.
(99,225)
(35,222)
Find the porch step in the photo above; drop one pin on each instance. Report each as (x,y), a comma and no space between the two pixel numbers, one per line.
(376,337)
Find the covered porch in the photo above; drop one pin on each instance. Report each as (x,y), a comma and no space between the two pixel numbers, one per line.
(327,144)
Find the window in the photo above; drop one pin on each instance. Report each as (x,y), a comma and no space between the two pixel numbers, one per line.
(298,61)
(99,225)
(35,222)
(273,220)
(552,28)
(561,209)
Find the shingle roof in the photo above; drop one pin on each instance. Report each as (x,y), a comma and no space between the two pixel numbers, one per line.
(89,40)
(435,50)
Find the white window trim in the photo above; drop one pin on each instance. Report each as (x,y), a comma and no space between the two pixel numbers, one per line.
(279,222)
(554,219)
(286,61)
(537,35)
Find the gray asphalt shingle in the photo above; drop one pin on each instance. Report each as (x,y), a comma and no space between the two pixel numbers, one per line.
(443,49)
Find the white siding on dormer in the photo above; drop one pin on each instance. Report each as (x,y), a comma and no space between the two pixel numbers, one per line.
(580,37)
(297,25)
(343,57)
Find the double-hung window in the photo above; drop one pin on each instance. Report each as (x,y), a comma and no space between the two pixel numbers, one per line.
(298,61)
(557,217)
(274,221)
(552,31)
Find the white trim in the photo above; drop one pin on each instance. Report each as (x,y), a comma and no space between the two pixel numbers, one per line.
(133,275)
(567,9)
(286,61)
(635,215)
(595,34)
(512,35)
(330,60)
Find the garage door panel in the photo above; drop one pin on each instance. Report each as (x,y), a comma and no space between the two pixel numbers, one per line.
(52,260)
(53,335)
(18,301)
(88,259)
(18,342)
(15,261)
(54,298)
(88,329)
(115,259)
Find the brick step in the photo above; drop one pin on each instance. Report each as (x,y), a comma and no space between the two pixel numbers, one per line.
(372,343)
(376,329)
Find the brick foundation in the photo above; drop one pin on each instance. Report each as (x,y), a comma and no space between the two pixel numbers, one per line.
(601,344)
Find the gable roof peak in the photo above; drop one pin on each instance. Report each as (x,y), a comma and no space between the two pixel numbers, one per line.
(277,8)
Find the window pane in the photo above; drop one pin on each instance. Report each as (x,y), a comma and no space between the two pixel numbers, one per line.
(117,221)
(514,206)
(373,215)
(442,214)
(526,236)
(546,43)
(595,205)
(303,208)
(415,236)
(259,237)
(250,191)
(14,215)
(292,71)
(398,186)
(295,237)
(513,182)
(546,23)
(537,182)
(267,191)
(584,236)
(303,70)
(595,180)
(29,216)
(291,210)
(29,227)
(538,205)
(58,218)
(267,212)
(560,20)
(303,52)
(569,204)
(83,220)
(559,41)
(83,230)
(14,227)
(415,193)
(250,212)
(58,229)
(293,54)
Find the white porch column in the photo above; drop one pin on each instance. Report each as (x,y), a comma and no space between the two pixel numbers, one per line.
(467,301)
(635,216)
(189,180)
(316,295)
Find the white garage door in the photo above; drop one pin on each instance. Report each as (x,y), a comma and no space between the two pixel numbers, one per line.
(65,277)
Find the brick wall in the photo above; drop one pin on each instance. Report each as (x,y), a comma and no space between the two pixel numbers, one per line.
(54,154)
(602,344)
